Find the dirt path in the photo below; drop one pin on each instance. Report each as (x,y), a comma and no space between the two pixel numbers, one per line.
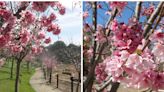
(39,84)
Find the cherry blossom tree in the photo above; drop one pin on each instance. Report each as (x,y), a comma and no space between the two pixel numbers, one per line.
(50,65)
(23,26)
(29,59)
(128,52)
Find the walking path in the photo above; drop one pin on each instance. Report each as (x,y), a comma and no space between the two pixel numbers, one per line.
(39,84)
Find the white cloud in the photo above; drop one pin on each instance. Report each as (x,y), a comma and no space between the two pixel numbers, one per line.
(71,24)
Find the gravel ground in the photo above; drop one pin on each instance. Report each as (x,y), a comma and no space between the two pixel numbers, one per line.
(39,84)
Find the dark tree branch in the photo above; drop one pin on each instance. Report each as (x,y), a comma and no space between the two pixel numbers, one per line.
(138,10)
(152,18)
(88,83)
(90,76)
(152,31)
(104,84)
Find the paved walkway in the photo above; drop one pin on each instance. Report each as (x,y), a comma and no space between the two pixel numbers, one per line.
(39,84)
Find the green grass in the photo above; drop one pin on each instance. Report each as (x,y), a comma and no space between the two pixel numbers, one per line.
(7,84)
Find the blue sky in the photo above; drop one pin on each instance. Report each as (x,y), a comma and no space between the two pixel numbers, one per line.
(102,17)
(70,23)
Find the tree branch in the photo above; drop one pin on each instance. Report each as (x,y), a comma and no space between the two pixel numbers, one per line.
(138,10)
(152,19)
(104,85)
(152,31)
(90,76)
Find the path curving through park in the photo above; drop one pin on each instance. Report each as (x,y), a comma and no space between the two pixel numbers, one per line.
(39,84)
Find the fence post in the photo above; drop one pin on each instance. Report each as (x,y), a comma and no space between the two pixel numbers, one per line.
(71,84)
(57,80)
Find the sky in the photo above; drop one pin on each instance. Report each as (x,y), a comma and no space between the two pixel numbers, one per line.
(125,15)
(70,23)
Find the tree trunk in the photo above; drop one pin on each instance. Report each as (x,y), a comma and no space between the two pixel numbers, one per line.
(48,73)
(50,77)
(44,71)
(90,78)
(17,76)
(78,83)
(12,66)
(89,89)
(115,86)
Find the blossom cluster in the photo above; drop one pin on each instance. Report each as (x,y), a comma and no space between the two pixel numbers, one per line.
(119,5)
(42,6)
(148,11)
(100,72)
(27,32)
(127,36)
(138,69)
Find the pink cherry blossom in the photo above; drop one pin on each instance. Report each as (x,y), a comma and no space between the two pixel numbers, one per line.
(34,49)
(119,5)
(133,60)
(61,8)
(157,37)
(100,37)
(48,40)
(114,67)
(57,31)
(2,41)
(158,51)
(85,14)
(2,4)
(24,4)
(90,52)
(52,16)
(39,49)
(52,27)
(127,37)
(23,28)
(24,37)
(154,79)
(27,18)
(49,62)
(44,21)
(40,6)
(100,72)
(41,35)
(148,11)
(16,49)
(5,14)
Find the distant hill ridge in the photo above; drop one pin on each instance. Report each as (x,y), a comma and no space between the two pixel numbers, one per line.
(62,51)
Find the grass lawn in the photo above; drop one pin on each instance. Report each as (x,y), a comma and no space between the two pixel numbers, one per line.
(7,84)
